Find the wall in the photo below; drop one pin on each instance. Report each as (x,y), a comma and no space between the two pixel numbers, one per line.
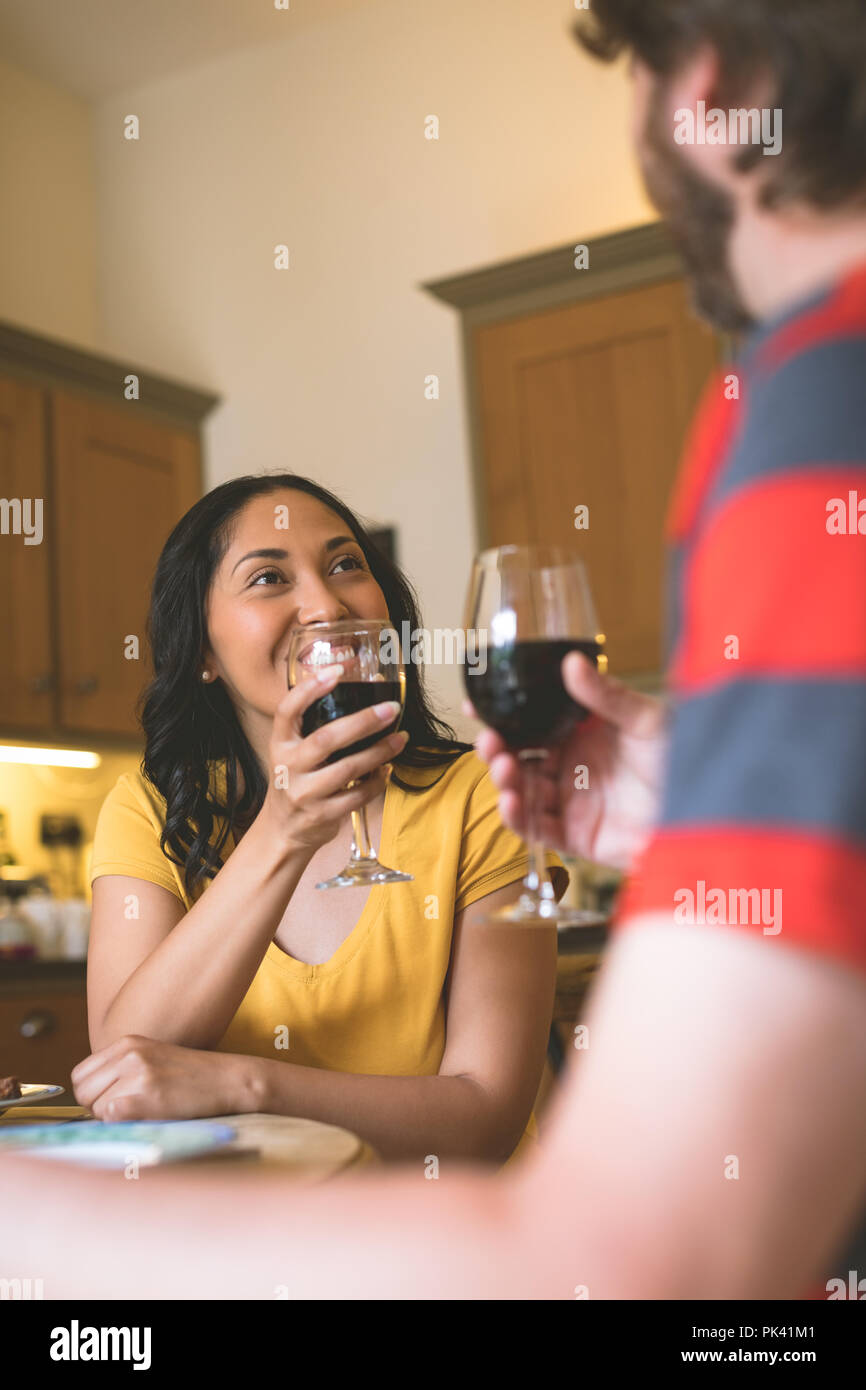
(318,141)
(48,285)
(47,227)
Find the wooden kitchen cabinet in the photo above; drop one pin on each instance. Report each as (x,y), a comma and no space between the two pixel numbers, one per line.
(43,1023)
(114,476)
(120,485)
(27,675)
(581,379)
(588,406)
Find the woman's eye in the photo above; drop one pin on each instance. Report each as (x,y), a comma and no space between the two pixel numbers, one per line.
(274,576)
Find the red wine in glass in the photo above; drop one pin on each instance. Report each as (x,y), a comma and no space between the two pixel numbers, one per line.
(348,697)
(373,672)
(528,607)
(521,694)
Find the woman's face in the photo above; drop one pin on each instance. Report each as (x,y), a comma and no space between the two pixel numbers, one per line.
(271,580)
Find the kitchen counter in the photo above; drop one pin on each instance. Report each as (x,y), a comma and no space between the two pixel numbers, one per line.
(19,976)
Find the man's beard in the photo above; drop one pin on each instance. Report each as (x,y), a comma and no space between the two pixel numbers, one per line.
(700,218)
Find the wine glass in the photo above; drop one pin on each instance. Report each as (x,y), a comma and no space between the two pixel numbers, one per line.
(528,606)
(369,652)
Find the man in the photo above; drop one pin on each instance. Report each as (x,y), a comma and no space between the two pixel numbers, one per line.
(711,1140)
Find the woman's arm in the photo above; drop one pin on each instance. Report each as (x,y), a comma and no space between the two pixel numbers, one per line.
(500,992)
(181,980)
(499,1005)
(179,977)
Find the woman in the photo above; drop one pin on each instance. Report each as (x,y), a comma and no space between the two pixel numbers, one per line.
(219,979)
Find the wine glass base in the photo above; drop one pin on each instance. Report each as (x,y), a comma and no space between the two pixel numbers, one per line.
(546,913)
(364,874)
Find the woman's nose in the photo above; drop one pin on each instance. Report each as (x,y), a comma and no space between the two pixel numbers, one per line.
(319,605)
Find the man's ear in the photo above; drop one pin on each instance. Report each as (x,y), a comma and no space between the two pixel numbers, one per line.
(698,80)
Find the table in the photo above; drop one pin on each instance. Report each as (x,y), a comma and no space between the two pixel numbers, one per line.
(310,1151)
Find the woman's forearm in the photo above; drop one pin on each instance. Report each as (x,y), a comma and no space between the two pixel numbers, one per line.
(189,988)
(409,1118)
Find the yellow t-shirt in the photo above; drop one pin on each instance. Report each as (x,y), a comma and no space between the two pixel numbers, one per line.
(376,1007)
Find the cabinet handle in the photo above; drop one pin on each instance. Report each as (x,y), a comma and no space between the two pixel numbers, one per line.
(86,685)
(37,1025)
(41,685)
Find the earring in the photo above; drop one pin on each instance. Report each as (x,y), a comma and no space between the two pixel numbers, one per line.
(205,675)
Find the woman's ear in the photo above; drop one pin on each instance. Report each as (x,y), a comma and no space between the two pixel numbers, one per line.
(207,668)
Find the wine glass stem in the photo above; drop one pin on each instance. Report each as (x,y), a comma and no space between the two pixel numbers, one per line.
(362,849)
(537,882)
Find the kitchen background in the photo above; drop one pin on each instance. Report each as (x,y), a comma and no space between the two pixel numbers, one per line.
(481,330)
(305,127)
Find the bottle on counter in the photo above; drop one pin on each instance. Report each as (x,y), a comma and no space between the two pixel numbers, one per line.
(6,855)
(75,931)
(44,912)
(19,937)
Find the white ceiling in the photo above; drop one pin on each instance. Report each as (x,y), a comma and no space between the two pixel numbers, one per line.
(95,47)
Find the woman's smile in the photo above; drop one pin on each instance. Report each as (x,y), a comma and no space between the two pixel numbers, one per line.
(322,652)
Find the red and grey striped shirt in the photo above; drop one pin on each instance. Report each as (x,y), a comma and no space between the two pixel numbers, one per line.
(763,820)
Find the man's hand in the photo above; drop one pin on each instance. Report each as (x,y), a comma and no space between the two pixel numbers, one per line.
(621,747)
(142,1079)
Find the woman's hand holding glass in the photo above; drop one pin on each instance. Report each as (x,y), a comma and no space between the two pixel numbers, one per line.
(306,801)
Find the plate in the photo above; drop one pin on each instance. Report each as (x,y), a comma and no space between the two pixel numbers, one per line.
(31,1093)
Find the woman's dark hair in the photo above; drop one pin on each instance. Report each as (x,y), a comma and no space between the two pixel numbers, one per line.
(187,724)
(815,53)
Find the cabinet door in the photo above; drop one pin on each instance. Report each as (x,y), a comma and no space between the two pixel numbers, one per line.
(44,1036)
(27,687)
(122,481)
(588,405)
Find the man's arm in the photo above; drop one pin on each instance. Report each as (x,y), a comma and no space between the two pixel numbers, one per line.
(706,1048)
(711,1140)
